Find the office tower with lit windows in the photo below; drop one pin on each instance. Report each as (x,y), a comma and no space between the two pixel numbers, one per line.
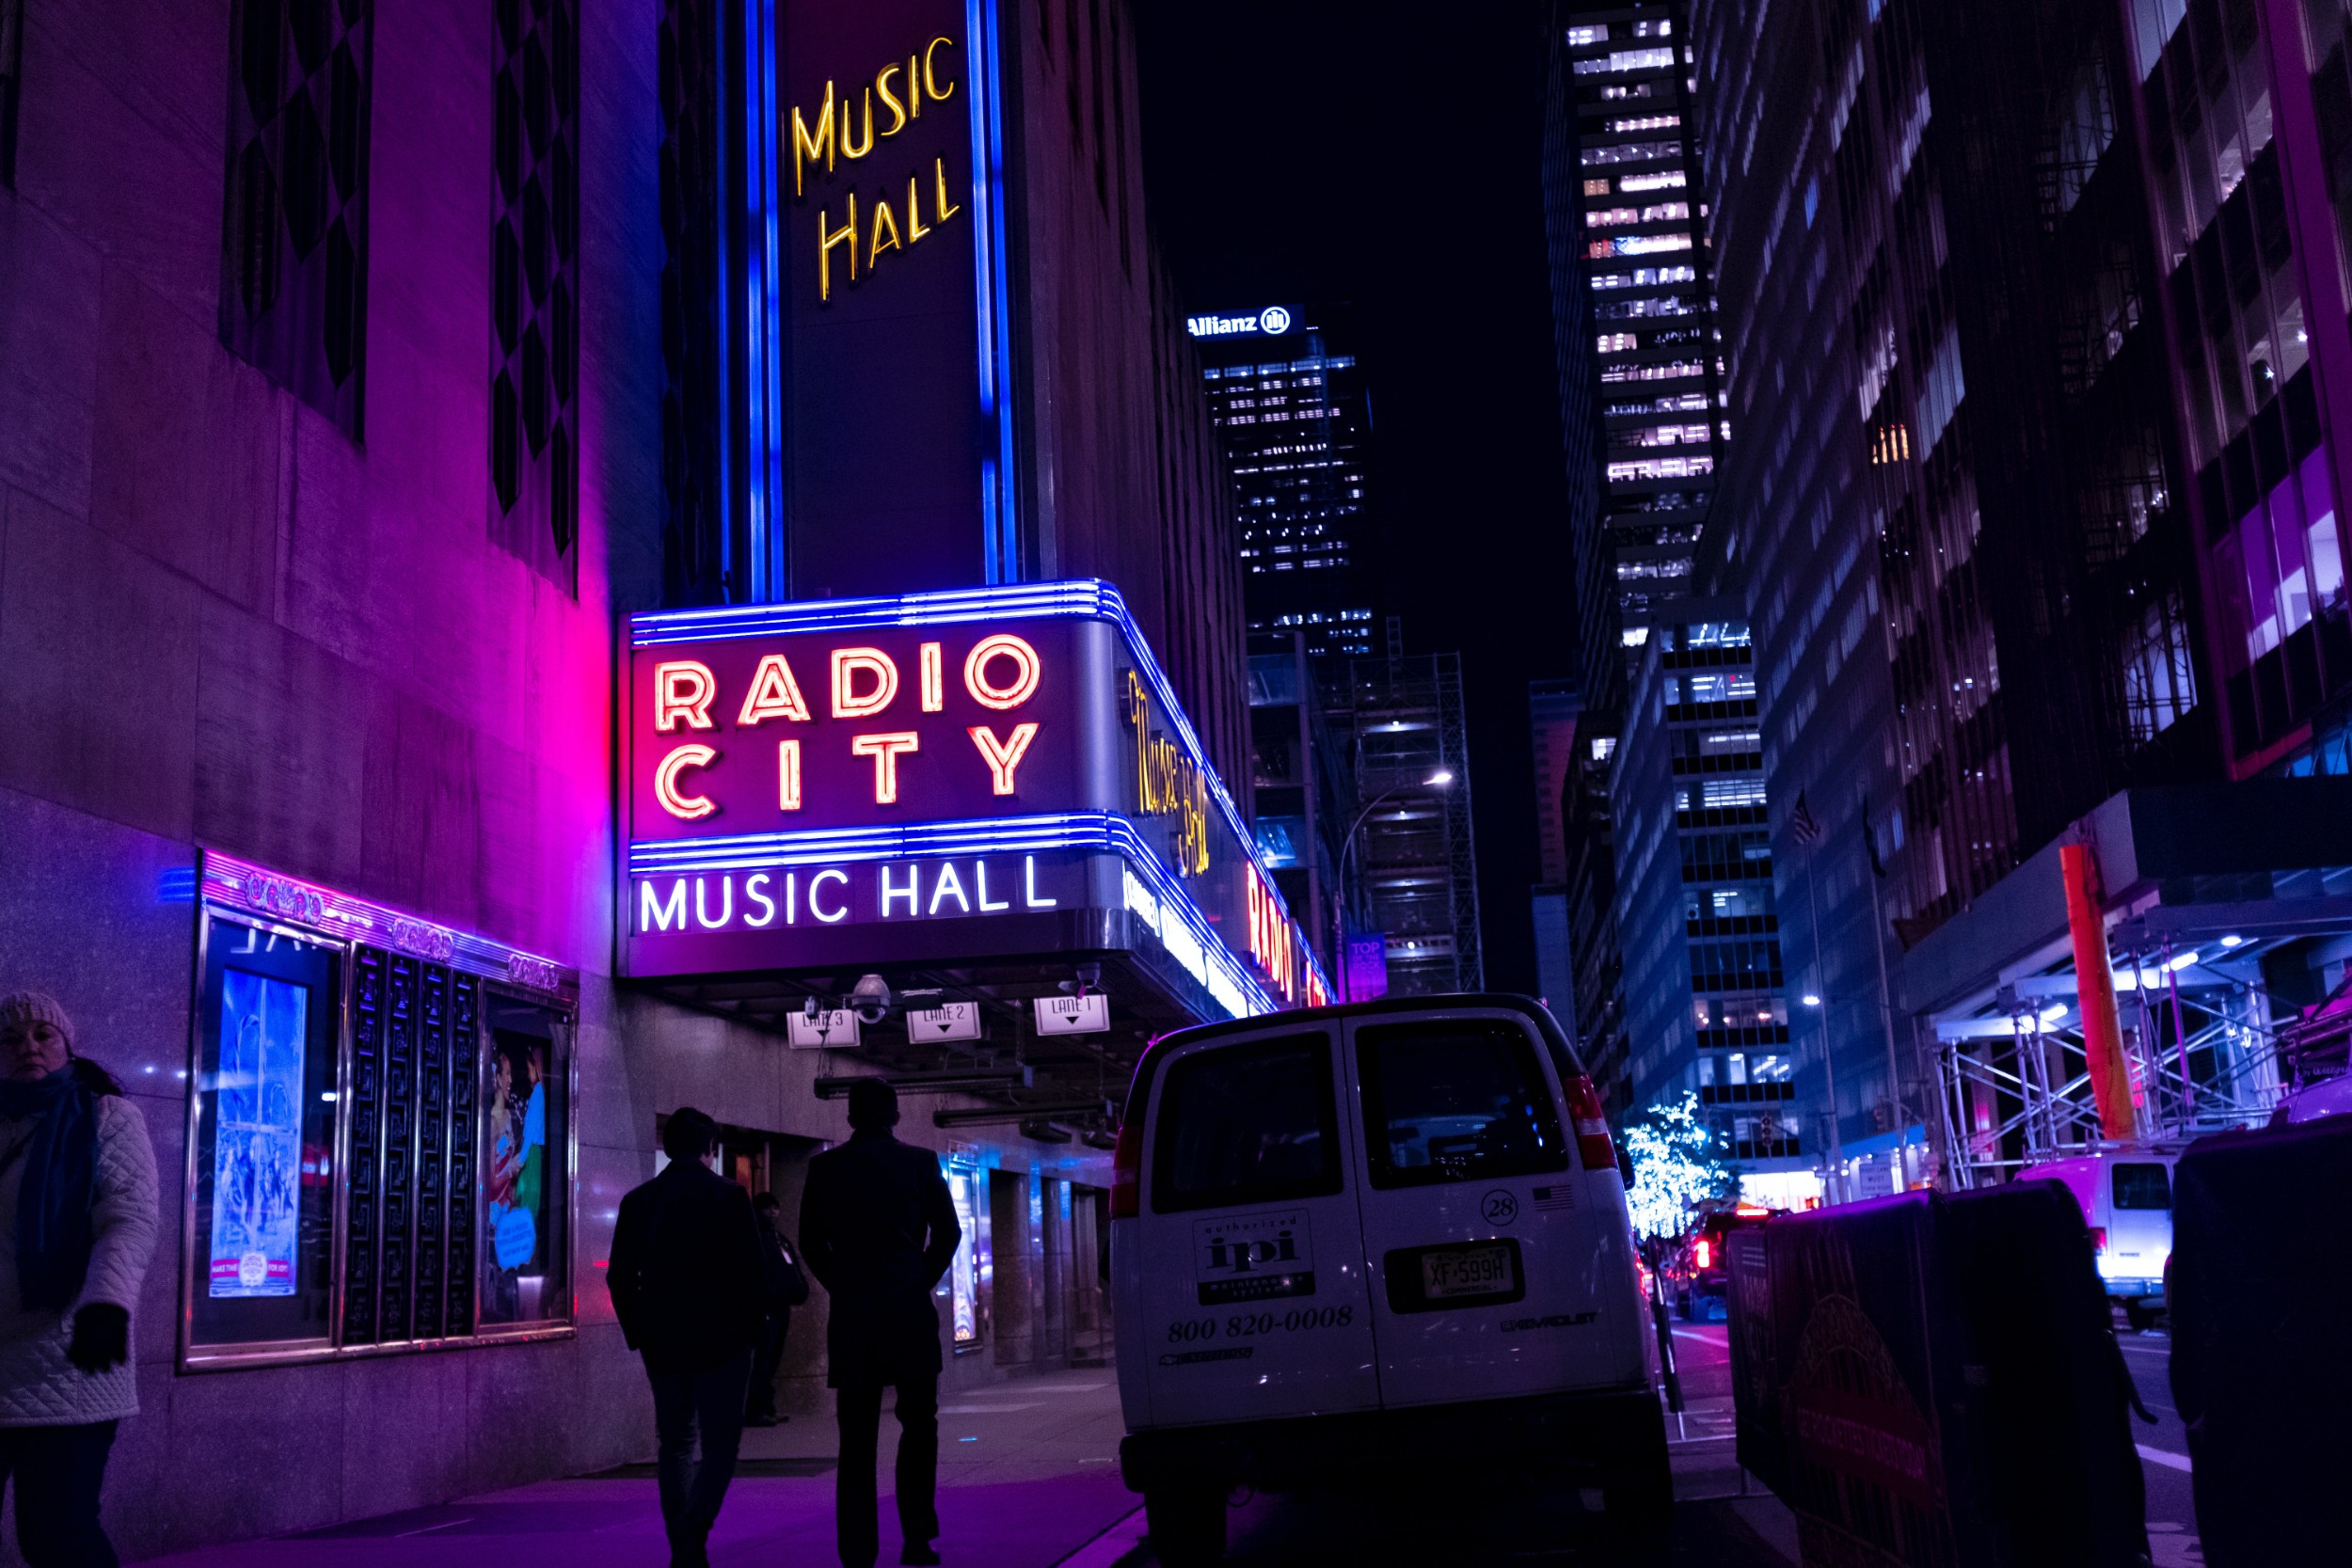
(1704,1003)
(1635,229)
(1295,419)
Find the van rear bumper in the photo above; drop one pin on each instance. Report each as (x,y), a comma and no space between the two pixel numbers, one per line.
(1616,1430)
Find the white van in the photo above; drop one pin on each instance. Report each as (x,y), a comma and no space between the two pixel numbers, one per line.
(2126,1200)
(1391,1234)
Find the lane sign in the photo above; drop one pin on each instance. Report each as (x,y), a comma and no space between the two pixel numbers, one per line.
(1089,1014)
(949,1021)
(835,1027)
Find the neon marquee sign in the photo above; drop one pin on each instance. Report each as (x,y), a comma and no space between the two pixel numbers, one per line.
(933,777)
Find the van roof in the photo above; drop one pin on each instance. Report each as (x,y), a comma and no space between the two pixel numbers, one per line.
(1555,1038)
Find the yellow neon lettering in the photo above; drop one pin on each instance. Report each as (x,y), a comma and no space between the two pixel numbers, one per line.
(683,689)
(885,750)
(914,89)
(787,775)
(774,694)
(940,211)
(805,148)
(1003,756)
(846,664)
(847,150)
(826,240)
(882,85)
(916,227)
(884,218)
(686,808)
(931,82)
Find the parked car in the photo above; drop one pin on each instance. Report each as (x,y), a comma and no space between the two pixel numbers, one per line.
(1390,1235)
(2329,1097)
(1706,1295)
(2126,1199)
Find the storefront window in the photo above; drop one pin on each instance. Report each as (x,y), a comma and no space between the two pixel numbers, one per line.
(963,1273)
(378,1137)
(523,1139)
(262,1169)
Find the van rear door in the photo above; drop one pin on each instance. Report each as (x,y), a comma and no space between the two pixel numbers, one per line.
(2139,1219)
(1250,1262)
(1491,1273)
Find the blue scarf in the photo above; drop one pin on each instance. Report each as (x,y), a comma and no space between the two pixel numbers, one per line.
(53,1208)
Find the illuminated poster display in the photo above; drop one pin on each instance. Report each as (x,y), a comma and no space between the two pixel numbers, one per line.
(256,1151)
(945,775)
(870,304)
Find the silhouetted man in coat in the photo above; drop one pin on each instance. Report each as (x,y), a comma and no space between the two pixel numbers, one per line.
(687,1284)
(878,1229)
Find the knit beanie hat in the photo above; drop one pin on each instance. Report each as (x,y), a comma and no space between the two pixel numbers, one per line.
(36,1006)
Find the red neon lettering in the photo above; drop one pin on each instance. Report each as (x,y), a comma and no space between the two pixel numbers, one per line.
(774,693)
(1003,756)
(787,775)
(885,750)
(934,683)
(682,688)
(846,664)
(665,781)
(1027,670)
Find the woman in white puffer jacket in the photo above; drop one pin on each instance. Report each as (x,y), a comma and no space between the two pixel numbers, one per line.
(77,1226)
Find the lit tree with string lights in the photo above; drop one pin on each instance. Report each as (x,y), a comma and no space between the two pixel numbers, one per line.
(1676,1172)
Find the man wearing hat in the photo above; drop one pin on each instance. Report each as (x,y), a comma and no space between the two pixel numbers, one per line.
(77,1226)
(878,1229)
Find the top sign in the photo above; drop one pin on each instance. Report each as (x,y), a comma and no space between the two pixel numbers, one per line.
(1271,322)
(929,778)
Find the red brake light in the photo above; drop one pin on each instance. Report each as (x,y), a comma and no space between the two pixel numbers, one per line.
(1701,1255)
(2098,1238)
(1127,1172)
(1592,1125)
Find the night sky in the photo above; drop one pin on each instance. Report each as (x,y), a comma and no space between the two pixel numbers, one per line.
(1388,157)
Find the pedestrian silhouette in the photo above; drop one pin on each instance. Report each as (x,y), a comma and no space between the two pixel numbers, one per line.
(878,1229)
(686,1277)
(786,1287)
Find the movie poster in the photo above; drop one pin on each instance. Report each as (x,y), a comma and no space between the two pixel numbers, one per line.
(257,1143)
(515,1275)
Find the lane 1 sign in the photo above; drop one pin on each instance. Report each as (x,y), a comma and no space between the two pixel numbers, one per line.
(834,1027)
(949,1021)
(1089,1014)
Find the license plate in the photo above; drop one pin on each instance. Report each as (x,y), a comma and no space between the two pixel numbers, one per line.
(1475,1271)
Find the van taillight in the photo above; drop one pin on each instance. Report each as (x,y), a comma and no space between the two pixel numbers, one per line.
(1127,1172)
(2098,1238)
(1701,1255)
(1592,1125)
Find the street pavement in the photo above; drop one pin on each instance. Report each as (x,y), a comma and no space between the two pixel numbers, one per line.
(1028,1478)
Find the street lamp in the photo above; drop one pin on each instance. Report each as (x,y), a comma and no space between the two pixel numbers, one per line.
(1438,780)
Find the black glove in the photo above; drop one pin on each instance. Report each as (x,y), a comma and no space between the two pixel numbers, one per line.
(102,1338)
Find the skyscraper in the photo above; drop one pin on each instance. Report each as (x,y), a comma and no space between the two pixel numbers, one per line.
(1638,235)
(1294,417)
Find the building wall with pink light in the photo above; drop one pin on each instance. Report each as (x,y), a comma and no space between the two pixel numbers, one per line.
(231,621)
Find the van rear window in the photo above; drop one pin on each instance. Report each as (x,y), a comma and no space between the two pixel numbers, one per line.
(1252,1123)
(1460,1101)
(2142,1187)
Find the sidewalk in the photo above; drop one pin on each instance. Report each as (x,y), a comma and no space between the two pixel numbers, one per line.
(1028,1476)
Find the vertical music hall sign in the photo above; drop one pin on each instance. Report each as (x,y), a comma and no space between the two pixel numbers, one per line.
(877,448)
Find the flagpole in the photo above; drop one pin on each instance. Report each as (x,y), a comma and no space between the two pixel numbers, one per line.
(1886,1003)
(1829,1060)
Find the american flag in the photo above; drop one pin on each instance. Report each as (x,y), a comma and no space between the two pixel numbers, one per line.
(1803,826)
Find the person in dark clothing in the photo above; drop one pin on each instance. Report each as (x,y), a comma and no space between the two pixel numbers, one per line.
(878,1229)
(686,1276)
(776,1251)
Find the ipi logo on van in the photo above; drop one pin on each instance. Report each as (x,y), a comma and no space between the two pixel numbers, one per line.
(1253,1258)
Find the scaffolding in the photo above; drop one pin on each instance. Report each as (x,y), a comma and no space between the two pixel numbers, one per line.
(2207,1044)
(1416,876)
